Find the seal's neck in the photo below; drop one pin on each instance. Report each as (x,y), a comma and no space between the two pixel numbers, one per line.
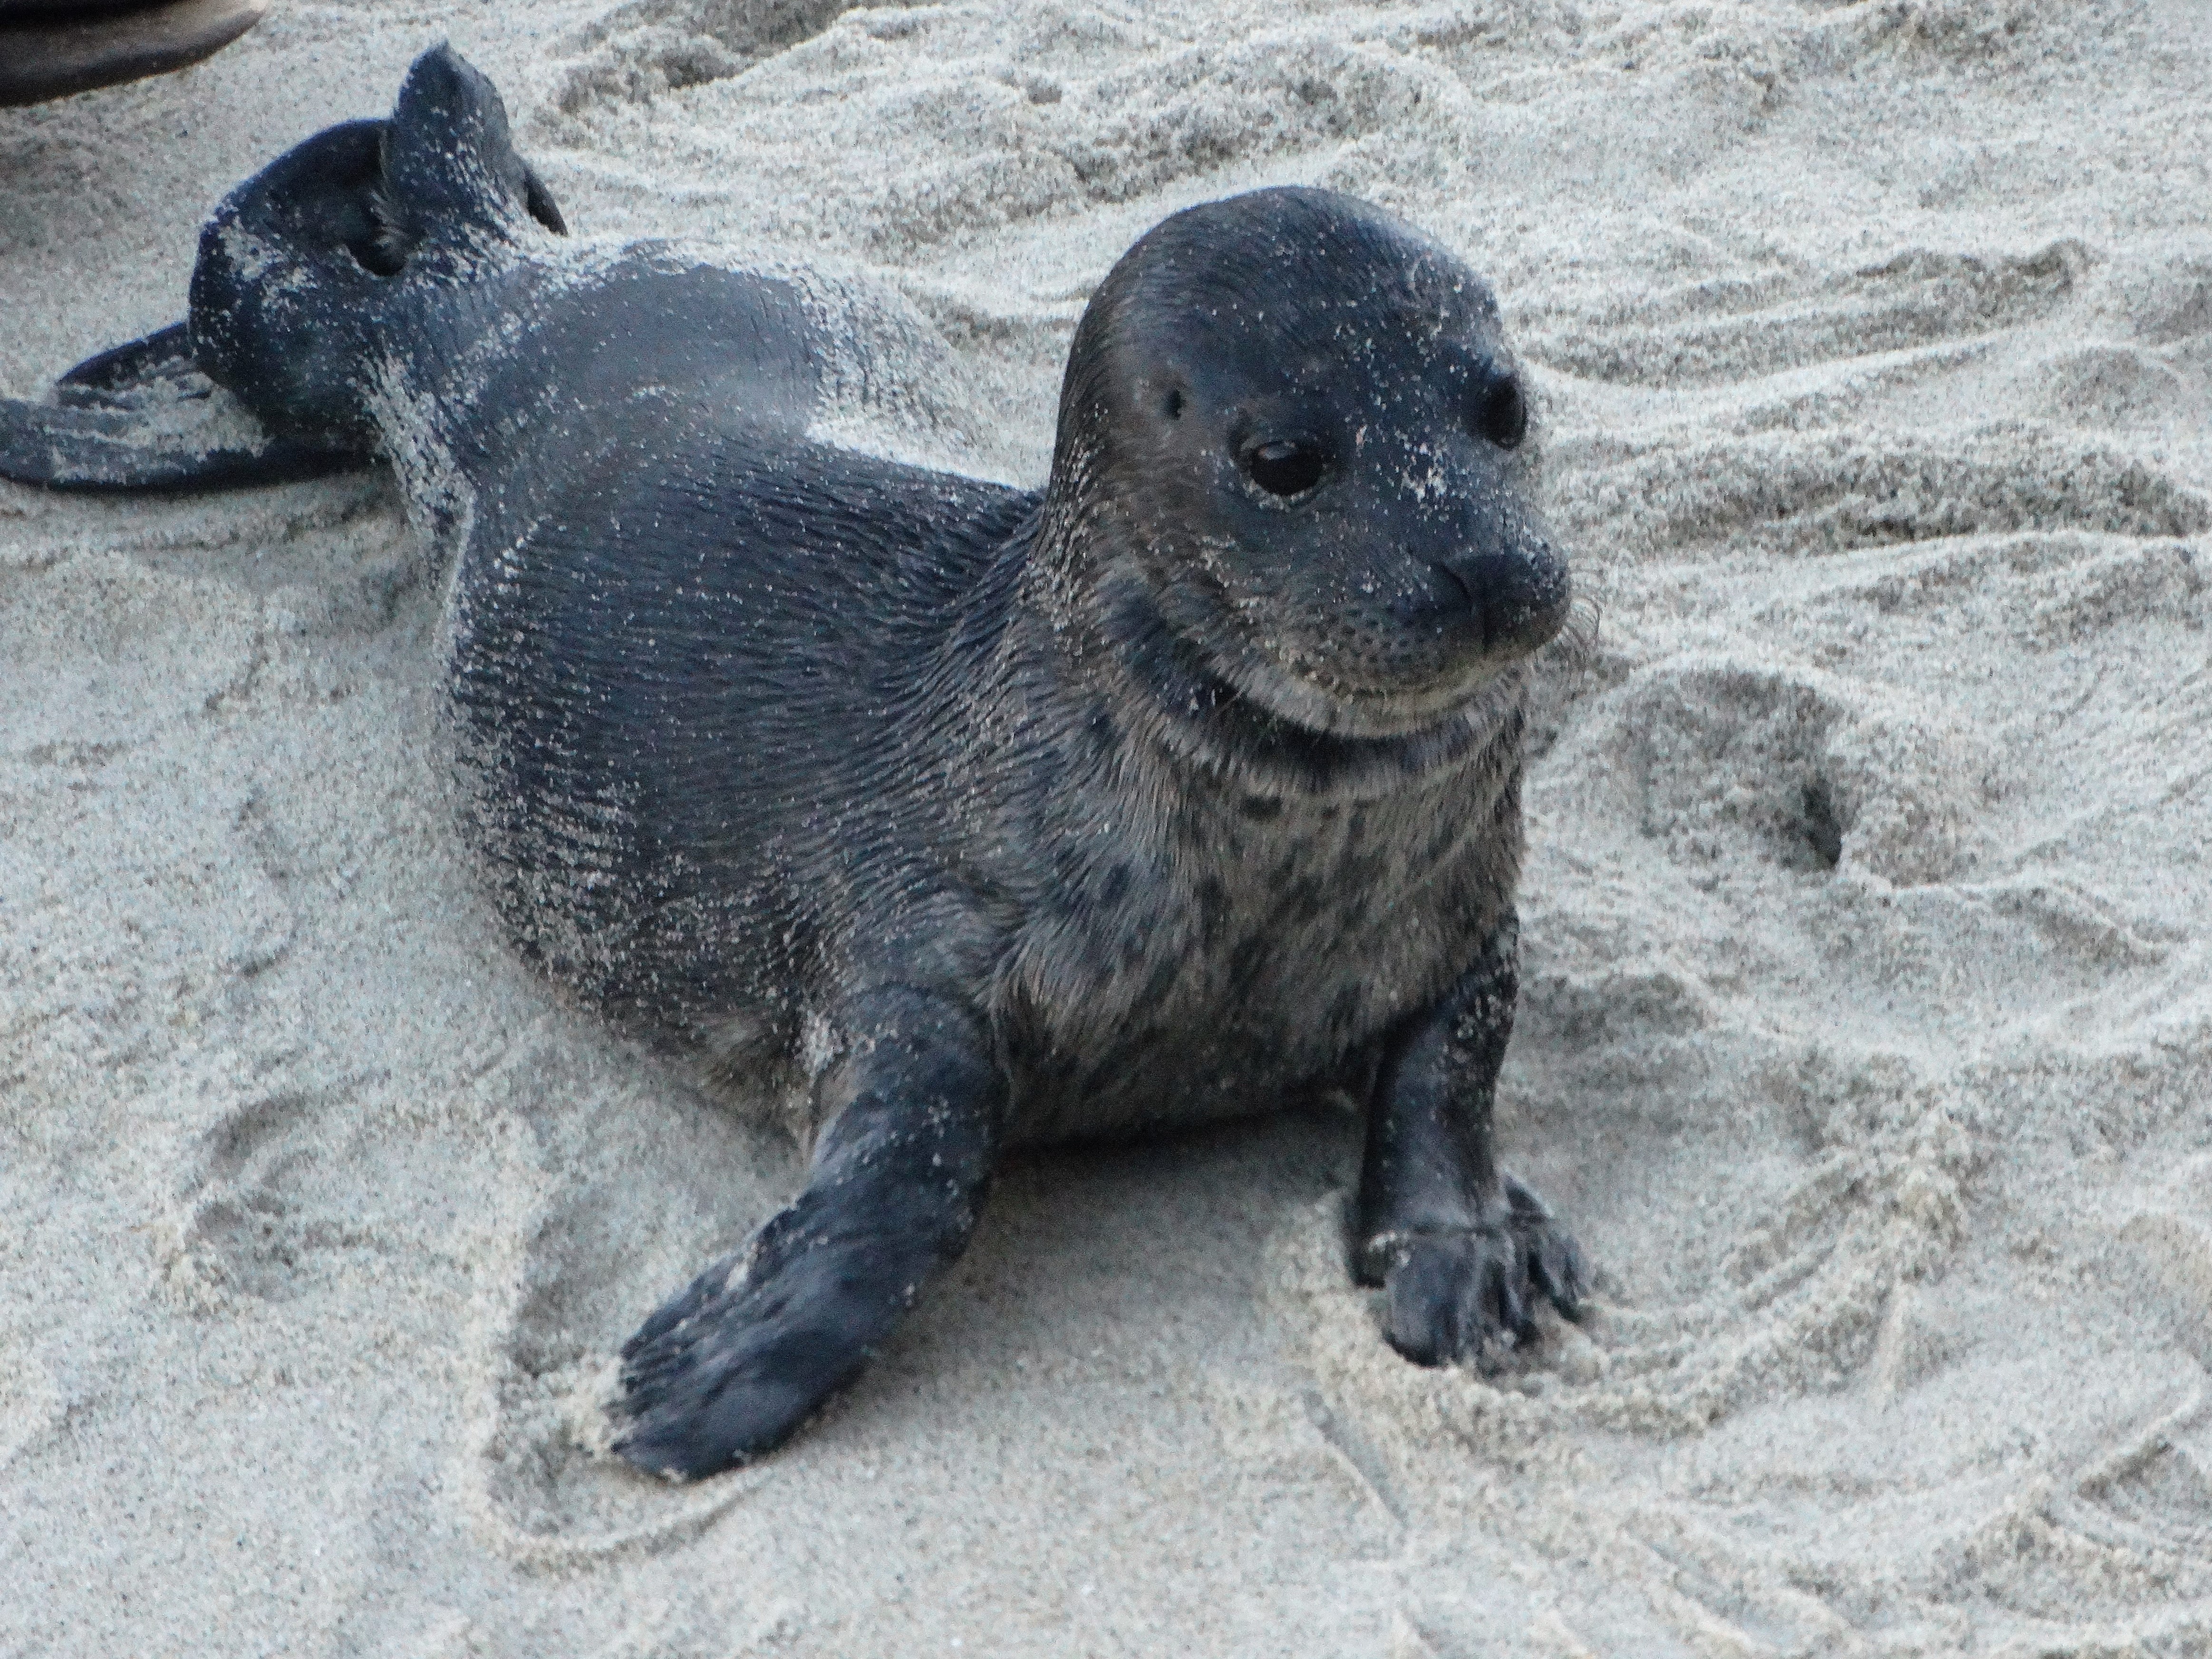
(441,345)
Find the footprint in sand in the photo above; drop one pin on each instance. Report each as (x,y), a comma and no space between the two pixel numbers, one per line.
(616,1181)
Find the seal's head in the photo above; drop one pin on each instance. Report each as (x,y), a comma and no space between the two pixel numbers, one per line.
(1301,423)
(302,267)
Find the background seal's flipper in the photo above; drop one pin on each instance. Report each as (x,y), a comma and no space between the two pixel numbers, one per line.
(144,417)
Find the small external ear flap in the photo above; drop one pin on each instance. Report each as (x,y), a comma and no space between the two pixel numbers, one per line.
(449,164)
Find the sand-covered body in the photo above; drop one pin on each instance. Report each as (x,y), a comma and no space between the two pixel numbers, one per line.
(731,696)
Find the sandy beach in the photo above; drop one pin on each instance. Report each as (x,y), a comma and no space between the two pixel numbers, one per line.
(1866,1030)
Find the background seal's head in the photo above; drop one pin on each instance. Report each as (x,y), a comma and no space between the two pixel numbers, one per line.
(1301,422)
(313,276)
(304,267)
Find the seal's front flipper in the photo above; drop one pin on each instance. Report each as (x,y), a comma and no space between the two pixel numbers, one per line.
(1461,1251)
(731,1367)
(144,417)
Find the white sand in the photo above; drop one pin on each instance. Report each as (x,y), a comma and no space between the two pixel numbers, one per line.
(1875,342)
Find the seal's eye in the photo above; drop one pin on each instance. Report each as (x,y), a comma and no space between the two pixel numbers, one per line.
(1501,413)
(374,234)
(1285,467)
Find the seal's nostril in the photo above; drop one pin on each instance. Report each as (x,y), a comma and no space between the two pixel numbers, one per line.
(1501,599)
(1460,583)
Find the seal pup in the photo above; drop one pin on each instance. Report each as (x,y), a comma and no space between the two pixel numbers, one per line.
(1185,789)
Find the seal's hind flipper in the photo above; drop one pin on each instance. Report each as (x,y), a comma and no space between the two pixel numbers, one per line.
(215,446)
(128,375)
(145,416)
(449,165)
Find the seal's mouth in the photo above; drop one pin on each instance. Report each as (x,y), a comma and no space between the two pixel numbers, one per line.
(1276,728)
(1273,675)
(1306,700)
(1401,656)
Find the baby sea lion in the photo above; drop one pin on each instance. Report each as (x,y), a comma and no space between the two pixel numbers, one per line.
(1188,787)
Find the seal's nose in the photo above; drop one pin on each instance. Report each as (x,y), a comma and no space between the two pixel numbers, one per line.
(1511,601)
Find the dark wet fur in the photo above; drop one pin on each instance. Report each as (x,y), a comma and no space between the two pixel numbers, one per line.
(1165,794)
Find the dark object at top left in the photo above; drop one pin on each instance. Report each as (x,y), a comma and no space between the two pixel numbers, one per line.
(50,50)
